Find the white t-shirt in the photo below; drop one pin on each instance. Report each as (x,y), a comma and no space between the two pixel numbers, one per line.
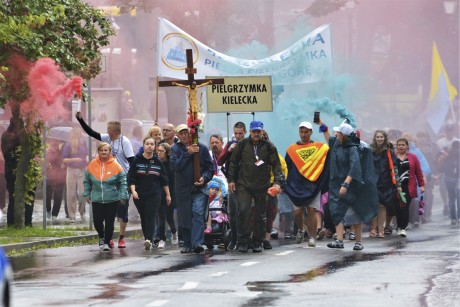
(444,142)
(121,150)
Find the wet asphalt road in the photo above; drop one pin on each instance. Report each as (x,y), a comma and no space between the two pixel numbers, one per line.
(420,270)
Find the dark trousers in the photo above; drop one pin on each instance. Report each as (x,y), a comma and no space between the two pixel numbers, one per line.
(28,209)
(2,191)
(54,191)
(402,213)
(104,219)
(148,208)
(245,197)
(165,214)
(233,212)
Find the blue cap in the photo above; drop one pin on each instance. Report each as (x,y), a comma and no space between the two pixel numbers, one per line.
(213,184)
(256,125)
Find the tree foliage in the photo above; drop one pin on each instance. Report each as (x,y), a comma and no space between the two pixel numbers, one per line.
(71,33)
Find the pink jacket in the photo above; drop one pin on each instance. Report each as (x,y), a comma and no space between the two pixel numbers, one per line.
(415,175)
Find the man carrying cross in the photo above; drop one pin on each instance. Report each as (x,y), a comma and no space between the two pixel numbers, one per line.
(191,195)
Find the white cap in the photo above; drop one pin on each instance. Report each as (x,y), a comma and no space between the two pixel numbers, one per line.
(344,128)
(307,125)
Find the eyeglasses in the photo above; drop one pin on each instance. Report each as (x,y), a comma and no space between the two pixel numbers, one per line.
(161,150)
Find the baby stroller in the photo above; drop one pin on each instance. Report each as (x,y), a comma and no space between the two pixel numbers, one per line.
(220,225)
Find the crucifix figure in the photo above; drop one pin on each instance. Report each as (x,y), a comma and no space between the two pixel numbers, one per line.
(192,86)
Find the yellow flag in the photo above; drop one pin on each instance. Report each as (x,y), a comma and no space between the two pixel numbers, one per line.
(436,70)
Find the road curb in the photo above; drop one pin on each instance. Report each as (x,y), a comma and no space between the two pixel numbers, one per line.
(52,241)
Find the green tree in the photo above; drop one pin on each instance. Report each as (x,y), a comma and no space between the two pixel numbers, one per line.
(71,33)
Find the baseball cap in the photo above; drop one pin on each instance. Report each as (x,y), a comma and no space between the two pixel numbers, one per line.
(181,127)
(307,125)
(256,125)
(344,128)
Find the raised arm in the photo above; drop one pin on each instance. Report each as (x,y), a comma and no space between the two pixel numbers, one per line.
(87,128)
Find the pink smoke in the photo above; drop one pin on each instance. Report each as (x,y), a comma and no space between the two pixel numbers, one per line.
(50,89)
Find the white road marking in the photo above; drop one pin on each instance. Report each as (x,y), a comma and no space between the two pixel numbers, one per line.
(217,274)
(284,253)
(249,263)
(157,303)
(189,285)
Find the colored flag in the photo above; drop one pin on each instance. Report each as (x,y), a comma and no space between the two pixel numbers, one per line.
(441,94)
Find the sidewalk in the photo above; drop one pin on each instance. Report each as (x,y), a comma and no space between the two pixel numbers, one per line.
(83,230)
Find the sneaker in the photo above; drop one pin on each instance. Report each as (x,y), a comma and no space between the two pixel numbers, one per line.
(101,243)
(54,219)
(320,234)
(299,238)
(312,242)
(106,248)
(72,220)
(48,215)
(197,249)
(399,232)
(358,246)
(257,248)
(416,224)
(111,244)
(208,230)
(231,246)
(288,236)
(147,245)
(161,244)
(174,239)
(388,230)
(186,250)
(266,244)
(181,243)
(403,233)
(243,248)
(352,236)
(274,234)
(335,244)
(121,243)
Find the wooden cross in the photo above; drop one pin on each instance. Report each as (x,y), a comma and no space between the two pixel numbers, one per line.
(192,85)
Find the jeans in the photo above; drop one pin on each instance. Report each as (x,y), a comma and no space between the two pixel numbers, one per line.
(195,236)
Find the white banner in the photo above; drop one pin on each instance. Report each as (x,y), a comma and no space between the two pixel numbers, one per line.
(308,60)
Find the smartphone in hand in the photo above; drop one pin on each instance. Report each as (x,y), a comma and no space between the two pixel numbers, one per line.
(316,118)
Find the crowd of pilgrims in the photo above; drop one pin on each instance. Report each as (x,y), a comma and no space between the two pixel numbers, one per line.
(152,171)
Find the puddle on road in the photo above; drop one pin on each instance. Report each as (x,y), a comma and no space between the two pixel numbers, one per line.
(271,289)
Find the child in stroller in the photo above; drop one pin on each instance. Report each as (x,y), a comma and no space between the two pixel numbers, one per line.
(217,225)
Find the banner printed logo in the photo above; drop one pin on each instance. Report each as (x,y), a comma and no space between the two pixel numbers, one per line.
(173,50)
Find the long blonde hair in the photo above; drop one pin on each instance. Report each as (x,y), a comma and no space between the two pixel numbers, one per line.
(75,139)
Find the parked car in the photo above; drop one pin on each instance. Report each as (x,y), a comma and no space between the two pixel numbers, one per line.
(6,279)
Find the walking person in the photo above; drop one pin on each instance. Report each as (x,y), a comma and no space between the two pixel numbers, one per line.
(191,195)
(387,184)
(74,155)
(166,210)
(147,180)
(411,176)
(352,183)
(239,132)
(307,178)
(105,188)
(449,164)
(122,151)
(250,165)
(55,179)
